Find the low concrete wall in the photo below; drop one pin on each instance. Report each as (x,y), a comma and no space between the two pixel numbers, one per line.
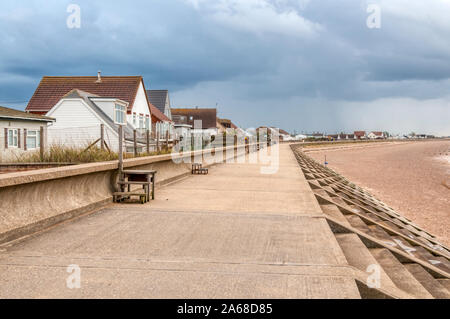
(34,200)
(17,167)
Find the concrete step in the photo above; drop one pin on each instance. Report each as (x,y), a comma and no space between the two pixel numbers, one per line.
(340,201)
(444,261)
(404,245)
(359,256)
(401,277)
(357,223)
(355,208)
(379,232)
(322,193)
(334,212)
(433,286)
(445,283)
(441,263)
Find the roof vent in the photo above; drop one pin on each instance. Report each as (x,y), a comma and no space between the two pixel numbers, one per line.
(99,77)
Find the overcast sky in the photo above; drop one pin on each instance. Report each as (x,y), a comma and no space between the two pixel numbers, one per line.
(304,65)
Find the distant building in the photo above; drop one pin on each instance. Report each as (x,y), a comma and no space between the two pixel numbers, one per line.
(20,132)
(160,99)
(333,137)
(225,125)
(317,135)
(188,116)
(300,137)
(285,136)
(375,135)
(162,116)
(360,135)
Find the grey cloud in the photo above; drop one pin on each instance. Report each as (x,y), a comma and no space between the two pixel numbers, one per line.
(322,55)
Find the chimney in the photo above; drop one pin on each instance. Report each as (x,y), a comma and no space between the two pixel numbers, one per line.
(99,77)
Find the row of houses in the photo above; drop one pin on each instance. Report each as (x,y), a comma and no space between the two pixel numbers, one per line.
(69,110)
(356,135)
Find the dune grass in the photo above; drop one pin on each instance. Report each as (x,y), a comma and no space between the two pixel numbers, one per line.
(75,155)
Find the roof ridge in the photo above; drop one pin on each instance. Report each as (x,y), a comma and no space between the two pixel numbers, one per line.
(91,76)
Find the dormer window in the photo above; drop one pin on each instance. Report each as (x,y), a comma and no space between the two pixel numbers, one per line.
(120,114)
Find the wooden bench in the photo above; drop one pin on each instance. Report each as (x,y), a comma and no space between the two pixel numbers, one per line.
(198,169)
(146,178)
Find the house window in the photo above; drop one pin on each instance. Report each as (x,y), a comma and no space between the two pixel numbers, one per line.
(119,114)
(134,120)
(141,121)
(33,139)
(13,139)
(147,122)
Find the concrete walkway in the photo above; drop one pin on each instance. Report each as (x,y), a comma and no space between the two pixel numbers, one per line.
(234,233)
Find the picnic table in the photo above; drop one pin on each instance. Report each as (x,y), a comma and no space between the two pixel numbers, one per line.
(143,177)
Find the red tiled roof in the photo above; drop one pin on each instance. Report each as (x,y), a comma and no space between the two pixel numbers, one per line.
(157,115)
(360,133)
(52,88)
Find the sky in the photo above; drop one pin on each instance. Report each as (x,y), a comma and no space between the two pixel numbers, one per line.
(303,65)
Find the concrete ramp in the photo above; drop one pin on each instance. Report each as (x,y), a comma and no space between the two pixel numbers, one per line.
(235,233)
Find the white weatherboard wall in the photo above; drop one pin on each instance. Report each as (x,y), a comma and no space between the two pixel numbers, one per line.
(77,125)
(140,105)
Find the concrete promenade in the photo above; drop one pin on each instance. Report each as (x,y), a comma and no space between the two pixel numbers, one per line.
(235,233)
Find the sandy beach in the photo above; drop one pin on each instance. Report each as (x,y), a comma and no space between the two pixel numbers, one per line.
(411,177)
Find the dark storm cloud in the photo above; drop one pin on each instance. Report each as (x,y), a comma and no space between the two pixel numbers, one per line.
(252,56)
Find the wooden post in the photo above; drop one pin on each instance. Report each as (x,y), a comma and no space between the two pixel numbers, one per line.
(102,137)
(257,139)
(120,151)
(148,141)
(167,140)
(224,145)
(41,142)
(157,141)
(135,142)
(25,146)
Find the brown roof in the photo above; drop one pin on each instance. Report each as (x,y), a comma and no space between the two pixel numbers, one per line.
(360,133)
(206,115)
(6,112)
(52,88)
(226,123)
(378,133)
(157,115)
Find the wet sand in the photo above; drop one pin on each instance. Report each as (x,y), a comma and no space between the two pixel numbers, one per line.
(411,177)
